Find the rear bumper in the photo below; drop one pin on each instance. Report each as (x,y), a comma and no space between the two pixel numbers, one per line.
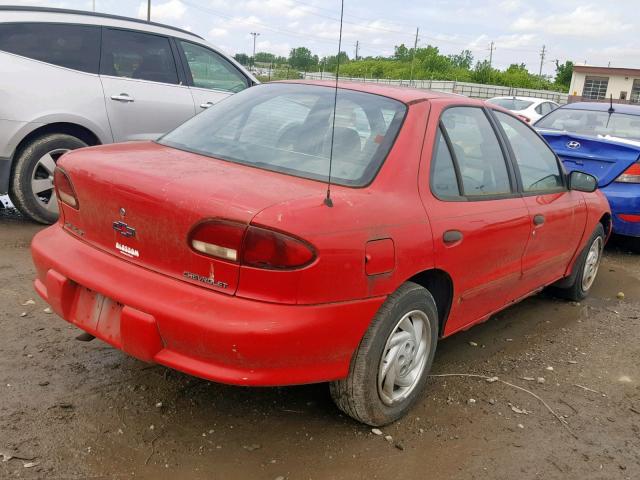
(624,198)
(207,334)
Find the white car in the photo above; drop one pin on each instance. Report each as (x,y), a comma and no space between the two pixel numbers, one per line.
(528,109)
(69,79)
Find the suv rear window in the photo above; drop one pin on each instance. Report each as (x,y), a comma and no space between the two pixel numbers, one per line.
(287,128)
(70,46)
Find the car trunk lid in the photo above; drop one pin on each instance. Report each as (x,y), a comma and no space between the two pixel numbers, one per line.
(606,158)
(139,201)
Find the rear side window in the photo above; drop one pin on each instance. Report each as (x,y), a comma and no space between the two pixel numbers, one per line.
(444,181)
(210,70)
(137,55)
(70,46)
(476,151)
(539,169)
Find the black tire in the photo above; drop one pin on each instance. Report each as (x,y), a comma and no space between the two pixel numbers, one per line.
(573,288)
(26,163)
(358,395)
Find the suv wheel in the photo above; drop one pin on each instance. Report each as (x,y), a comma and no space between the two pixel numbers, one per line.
(31,188)
(389,369)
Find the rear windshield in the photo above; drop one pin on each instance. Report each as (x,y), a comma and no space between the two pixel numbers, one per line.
(590,122)
(287,128)
(511,103)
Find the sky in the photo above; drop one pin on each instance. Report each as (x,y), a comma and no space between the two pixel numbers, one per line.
(584,31)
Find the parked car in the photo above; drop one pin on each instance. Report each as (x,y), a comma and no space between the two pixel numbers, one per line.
(72,79)
(603,140)
(219,251)
(528,109)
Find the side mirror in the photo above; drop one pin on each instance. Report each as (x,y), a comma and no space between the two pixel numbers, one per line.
(582,182)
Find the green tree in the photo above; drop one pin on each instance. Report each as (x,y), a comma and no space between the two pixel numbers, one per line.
(564,72)
(463,60)
(301,58)
(242,58)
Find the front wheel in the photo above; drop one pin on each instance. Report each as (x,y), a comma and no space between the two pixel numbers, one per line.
(389,369)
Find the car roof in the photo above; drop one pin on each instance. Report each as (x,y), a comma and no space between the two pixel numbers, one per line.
(531,99)
(64,11)
(604,107)
(402,94)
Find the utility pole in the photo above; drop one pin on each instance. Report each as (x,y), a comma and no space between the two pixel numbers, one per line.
(543,54)
(357,45)
(148,10)
(413,58)
(94,5)
(492,47)
(253,59)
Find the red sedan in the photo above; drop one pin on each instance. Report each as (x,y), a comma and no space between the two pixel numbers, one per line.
(214,250)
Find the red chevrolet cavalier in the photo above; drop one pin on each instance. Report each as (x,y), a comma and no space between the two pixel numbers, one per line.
(214,251)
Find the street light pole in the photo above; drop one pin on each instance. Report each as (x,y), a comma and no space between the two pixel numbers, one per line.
(148,10)
(253,59)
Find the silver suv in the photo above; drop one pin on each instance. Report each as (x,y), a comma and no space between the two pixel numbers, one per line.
(72,79)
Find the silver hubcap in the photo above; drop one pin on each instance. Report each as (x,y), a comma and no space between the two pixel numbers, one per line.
(42,180)
(592,263)
(404,357)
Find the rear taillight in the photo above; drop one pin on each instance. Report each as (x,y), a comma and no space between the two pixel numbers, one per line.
(264,248)
(64,188)
(249,245)
(524,118)
(631,174)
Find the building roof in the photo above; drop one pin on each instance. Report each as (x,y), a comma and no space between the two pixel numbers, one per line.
(625,72)
(603,107)
(403,94)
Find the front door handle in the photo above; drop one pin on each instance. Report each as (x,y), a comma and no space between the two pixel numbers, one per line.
(206,105)
(123,97)
(538,220)
(452,236)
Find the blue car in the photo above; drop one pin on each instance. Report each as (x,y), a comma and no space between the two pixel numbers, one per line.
(604,140)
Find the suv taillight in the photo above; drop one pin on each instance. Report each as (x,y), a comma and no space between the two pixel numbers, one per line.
(250,245)
(631,174)
(64,188)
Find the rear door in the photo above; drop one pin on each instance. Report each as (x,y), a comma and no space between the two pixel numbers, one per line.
(210,76)
(143,93)
(479,221)
(557,215)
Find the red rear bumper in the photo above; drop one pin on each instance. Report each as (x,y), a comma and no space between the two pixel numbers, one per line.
(210,335)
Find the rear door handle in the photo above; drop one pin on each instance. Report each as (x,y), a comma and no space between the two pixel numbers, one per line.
(538,220)
(123,97)
(206,105)
(452,236)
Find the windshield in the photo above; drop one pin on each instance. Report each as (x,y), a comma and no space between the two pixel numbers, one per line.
(510,103)
(590,122)
(287,128)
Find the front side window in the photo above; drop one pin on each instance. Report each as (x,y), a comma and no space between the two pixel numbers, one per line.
(592,122)
(288,128)
(595,88)
(137,55)
(70,46)
(210,70)
(477,152)
(539,169)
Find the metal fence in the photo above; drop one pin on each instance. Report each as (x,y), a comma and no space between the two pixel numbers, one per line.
(474,90)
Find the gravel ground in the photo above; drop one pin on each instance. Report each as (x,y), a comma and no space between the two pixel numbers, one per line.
(71,409)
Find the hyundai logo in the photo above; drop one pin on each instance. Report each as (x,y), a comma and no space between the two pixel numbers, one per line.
(573,145)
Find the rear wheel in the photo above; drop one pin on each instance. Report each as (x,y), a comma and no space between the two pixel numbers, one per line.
(586,267)
(389,369)
(31,188)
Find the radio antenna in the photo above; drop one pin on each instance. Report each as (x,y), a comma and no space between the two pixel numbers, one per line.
(327,201)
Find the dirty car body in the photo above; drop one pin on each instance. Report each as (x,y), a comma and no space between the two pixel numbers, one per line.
(212,251)
(589,138)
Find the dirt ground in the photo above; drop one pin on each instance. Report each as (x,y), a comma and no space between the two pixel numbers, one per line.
(71,409)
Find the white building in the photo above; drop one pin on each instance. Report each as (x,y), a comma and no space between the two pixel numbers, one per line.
(601,83)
